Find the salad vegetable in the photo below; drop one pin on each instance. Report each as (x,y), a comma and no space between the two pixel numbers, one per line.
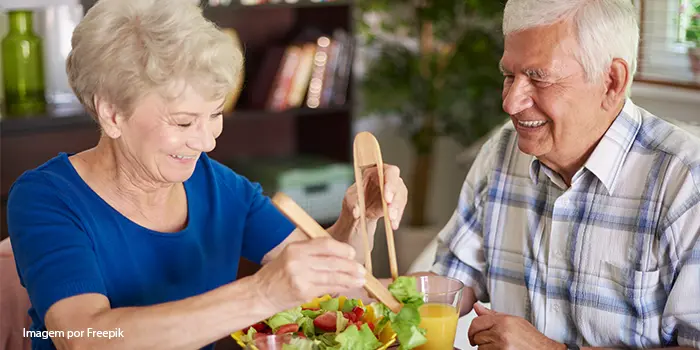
(346,324)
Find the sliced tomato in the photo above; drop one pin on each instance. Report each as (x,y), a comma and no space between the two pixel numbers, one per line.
(350,316)
(288,328)
(326,322)
(359,312)
(259,327)
(371,326)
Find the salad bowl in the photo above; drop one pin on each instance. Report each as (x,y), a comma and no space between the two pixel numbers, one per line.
(348,313)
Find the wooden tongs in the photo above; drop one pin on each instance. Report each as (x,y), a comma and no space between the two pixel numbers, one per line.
(367,154)
(312,229)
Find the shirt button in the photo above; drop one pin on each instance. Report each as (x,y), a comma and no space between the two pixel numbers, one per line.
(559,254)
(556,307)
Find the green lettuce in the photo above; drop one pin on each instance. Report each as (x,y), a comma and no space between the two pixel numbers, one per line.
(354,339)
(327,341)
(406,323)
(330,305)
(404,289)
(340,322)
(248,337)
(306,325)
(350,304)
(284,317)
(299,344)
(311,313)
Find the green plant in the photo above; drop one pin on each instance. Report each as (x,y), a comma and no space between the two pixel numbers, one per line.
(692,32)
(434,65)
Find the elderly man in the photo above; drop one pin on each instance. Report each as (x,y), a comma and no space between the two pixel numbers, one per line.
(580,220)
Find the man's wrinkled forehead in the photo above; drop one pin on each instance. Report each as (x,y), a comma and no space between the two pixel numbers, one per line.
(539,52)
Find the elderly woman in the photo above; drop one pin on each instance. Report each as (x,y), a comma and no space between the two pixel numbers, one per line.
(143,232)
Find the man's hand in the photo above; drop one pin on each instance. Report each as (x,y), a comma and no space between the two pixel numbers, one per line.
(491,330)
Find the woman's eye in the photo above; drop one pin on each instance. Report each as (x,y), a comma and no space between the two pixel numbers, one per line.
(214,116)
(184,125)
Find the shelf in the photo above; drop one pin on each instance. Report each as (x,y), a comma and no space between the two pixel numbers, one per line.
(299,4)
(77,118)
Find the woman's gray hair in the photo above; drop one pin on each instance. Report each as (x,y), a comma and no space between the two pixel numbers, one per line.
(124,49)
(606,29)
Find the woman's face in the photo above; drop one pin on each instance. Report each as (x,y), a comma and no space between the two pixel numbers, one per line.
(162,140)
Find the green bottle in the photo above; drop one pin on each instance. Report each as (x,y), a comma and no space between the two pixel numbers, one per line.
(22,64)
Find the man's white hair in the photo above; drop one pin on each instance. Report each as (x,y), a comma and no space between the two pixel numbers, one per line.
(605,29)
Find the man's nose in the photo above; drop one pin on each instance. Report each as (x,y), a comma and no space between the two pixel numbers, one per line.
(517,97)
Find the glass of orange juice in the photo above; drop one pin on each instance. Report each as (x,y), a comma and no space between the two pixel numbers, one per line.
(440,313)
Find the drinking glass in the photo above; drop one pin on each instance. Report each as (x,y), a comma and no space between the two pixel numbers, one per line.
(440,313)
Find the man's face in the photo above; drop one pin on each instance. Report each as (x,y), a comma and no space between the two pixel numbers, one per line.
(556,112)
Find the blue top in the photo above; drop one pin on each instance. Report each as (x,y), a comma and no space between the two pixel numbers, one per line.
(68,241)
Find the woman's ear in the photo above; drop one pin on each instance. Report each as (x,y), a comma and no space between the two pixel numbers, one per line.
(108,116)
(616,83)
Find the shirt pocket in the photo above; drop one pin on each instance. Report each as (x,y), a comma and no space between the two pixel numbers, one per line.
(620,306)
(506,284)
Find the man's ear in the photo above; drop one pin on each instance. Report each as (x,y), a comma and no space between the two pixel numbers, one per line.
(615,82)
(108,117)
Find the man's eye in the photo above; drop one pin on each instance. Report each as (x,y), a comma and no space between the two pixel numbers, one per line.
(540,83)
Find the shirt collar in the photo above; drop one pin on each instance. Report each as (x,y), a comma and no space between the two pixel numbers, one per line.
(536,166)
(608,157)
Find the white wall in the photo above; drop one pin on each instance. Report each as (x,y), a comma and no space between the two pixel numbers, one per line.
(668,102)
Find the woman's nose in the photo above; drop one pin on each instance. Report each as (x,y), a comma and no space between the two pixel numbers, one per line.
(203,140)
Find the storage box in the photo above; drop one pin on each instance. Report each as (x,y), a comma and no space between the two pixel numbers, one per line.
(316,184)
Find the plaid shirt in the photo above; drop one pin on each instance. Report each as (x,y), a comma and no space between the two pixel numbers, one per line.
(613,260)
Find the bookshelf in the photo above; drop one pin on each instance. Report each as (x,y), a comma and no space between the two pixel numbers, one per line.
(251,129)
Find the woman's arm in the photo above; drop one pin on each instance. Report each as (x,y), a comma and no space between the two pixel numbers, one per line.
(186,324)
(302,271)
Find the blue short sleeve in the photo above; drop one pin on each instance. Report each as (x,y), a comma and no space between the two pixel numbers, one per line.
(54,255)
(265,227)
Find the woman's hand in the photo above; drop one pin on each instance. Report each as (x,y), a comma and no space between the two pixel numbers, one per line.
(308,269)
(395,194)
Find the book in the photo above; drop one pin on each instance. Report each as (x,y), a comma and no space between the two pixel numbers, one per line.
(302,76)
(278,100)
(313,93)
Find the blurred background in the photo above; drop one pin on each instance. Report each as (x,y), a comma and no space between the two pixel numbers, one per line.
(421,75)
